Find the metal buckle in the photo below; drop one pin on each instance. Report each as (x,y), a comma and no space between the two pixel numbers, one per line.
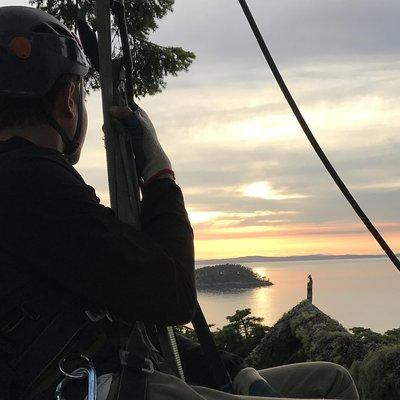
(148,367)
(122,357)
(138,364)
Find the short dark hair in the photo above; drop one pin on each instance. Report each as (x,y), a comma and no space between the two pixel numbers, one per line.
(17,111)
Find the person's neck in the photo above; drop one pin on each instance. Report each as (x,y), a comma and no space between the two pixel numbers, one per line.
(41,135)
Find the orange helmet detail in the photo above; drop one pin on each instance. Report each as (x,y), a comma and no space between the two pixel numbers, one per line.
(21,47)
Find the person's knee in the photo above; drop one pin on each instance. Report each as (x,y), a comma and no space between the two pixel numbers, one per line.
(332,366)
(341,384)
(338,375)
(334,369)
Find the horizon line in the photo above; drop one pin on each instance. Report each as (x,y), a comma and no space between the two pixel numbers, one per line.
(320,255)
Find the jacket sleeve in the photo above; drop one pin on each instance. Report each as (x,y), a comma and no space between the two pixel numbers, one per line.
(59,231)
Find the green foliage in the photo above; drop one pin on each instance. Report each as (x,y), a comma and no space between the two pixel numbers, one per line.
(368,337)
(392,336)
(322,338)
(152,63)
(378,375)
(242,334)
(374,339)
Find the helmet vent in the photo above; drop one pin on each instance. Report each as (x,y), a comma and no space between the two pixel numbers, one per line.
(48,27)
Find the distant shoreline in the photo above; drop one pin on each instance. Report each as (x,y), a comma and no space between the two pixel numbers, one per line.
(231,285)
(266,259)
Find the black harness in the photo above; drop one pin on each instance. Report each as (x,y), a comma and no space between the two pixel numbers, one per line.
(36,331)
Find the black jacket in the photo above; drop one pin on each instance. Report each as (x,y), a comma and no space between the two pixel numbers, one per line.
(55,234)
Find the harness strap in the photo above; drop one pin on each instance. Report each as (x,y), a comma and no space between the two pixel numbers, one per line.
(136,362)
(70,145)
(48,347)
(132,385)
(218,369)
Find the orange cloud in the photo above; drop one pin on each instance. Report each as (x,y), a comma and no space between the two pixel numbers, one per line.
(279,245)
(292,239)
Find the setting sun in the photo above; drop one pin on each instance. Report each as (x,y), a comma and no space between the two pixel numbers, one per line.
(263,190)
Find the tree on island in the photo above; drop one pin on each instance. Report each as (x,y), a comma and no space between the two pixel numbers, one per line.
(229,275)
(151,63)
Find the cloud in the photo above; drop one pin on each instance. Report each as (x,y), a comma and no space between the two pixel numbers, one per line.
(305,29)
(256,220)
(282,229)
(226,126)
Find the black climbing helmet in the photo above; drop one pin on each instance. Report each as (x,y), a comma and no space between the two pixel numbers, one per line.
(35,50)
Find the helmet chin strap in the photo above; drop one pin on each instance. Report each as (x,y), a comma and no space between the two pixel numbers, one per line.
(70,145)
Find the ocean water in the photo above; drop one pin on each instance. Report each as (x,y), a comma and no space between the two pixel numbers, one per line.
(355,292)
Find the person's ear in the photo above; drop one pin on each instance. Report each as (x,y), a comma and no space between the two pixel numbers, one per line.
(65,101)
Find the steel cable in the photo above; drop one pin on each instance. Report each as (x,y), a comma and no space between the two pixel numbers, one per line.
(329,167)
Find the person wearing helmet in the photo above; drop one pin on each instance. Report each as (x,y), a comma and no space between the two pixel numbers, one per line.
(63,253)
(65,258)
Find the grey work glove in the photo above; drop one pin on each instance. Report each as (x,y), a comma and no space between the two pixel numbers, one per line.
(151,159)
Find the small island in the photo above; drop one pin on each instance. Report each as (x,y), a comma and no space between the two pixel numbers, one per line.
(228,276)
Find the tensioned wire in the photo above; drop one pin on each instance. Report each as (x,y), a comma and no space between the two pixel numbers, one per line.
(329,167)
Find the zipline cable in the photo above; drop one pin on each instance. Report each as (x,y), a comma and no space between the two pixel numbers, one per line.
(369,225)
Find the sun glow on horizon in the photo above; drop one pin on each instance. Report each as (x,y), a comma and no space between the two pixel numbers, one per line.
(263,190)
(287,246)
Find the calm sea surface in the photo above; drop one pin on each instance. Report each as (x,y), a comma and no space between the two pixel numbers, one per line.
(355,292)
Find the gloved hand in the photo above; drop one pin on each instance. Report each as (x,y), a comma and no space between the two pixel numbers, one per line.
(151,159)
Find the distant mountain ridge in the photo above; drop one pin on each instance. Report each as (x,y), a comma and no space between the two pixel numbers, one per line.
(266,259)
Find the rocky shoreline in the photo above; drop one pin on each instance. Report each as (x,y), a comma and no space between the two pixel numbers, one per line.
(305,333)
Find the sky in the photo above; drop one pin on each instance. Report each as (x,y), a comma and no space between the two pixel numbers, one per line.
(252,183)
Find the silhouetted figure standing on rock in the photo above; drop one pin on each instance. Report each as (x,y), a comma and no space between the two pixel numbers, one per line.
(309,288)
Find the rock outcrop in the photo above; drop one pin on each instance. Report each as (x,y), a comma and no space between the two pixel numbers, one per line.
(307,334)
(303,334)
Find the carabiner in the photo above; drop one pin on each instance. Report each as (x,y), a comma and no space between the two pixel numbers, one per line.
(86,371)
